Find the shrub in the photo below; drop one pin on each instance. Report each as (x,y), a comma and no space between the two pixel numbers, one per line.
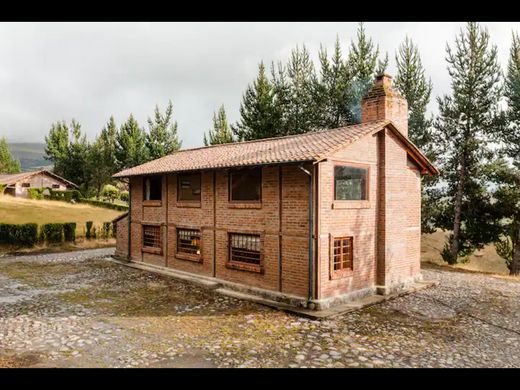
(88,234)
(25,234)
(67,195)
(35,193)
(69,231)
(52,233)
(106,229)
(99,203)
(110,192)
(2,188)
(114,229)
(124,196)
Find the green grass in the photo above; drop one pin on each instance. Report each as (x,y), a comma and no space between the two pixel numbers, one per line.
(19,210)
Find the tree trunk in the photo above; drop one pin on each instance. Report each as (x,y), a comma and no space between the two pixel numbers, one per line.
(455,244)
(515,261)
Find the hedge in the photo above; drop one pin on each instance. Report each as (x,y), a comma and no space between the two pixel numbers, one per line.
(67,195)
(52,233)
(25,234)
(35,193)
(99,203)
(69,232)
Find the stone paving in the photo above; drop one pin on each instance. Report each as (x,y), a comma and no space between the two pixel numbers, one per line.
(79,310)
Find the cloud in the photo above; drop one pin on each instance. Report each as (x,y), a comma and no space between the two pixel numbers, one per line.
(89,71)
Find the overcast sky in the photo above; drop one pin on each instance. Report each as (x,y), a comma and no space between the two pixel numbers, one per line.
(89,71)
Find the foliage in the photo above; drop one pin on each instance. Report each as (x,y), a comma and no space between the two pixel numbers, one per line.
(124,196)
(106,230)
(162,138)
(35,193)
(110,192)
(19,234)
(90,233)
(67,195)
(131,147)
(2,188)
(69,231)
(8,164)
(52,233)
(221,133)
(462,132)
(99,203)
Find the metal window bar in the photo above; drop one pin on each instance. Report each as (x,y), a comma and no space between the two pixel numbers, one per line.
(152,236)
(245,248)
(188,241)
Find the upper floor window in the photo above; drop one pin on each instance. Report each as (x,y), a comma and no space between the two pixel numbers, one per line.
(350,183)
(26,185)
(188,187)
(245,184)
(55,186)
(152,188)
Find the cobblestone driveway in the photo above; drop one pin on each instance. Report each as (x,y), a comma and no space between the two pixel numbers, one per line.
(76,309)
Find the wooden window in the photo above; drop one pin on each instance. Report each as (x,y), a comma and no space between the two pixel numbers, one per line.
(55,186)
(342,255)
(188,241)
(152,188)
(350,183)
(188,187)
(26,185)
(244,248)
(245,184)
(152,237)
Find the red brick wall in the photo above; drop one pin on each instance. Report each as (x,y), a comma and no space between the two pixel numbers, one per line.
(263,219)
(348,218)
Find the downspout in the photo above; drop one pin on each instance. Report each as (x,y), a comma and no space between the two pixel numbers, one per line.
(128,256)
(311,228)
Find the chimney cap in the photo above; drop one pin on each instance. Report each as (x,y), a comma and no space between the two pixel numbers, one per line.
(384,79)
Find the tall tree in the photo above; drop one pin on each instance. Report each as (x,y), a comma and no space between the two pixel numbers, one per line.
(221,133)
(465,122)
(363,62)
(506,174)
(8,164)
(411,82)
(131,147)
(258,115)
(102,157)
(334,89)
(57,147)
(162,138)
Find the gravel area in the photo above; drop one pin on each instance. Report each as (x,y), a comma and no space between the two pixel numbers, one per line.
(78,310)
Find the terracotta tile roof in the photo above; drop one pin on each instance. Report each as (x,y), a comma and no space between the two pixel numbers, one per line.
(296,148)
(13,178)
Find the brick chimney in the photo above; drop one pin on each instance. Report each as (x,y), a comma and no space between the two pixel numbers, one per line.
(384,102)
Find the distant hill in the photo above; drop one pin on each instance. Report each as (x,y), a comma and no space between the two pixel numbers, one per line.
(30,155)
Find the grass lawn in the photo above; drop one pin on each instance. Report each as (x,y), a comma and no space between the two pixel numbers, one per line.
(19,210)
(485,260)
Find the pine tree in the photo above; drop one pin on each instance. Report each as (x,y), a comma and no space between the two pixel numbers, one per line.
(334,90)
(162,138)
(8,164)
(466,120)
(301,114)
(221,133)
(57,147)
(102,158)
(131,147)
(411,82)
(258,117)
(363,63)
(506,177)
(511,133)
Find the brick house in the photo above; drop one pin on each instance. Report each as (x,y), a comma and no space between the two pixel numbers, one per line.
(314,219)
(17,184)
